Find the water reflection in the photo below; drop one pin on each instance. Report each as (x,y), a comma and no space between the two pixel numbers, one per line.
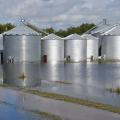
(52,72)
(75,73)
(22,74)
(88,81)
(83,80)
(9,113)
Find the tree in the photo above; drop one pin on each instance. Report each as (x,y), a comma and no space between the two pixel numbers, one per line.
(6,27)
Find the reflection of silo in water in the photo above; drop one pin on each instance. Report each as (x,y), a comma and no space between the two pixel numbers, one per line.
(53,72)
(25,75)
(111,75)
(98,79)
(75,73)
(94,75)
(103,75)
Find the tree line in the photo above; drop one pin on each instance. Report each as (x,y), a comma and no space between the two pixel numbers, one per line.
(6,27)
(71,30)
(62,33)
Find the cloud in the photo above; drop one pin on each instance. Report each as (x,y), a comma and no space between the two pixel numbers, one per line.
(59,13)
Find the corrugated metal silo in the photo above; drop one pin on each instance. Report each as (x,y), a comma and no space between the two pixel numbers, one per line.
(52,48)
(75,48)
(1,42)
(99,29)
(111,44)
(92,46)
(1,48)
(22,44)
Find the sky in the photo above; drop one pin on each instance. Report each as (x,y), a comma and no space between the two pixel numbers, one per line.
(59,14)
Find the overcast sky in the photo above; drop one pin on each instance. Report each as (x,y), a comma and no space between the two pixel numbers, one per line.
(59,13)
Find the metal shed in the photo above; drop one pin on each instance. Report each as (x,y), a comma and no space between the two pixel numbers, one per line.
(22,44)
(92,46)
(52,48)
(75,48)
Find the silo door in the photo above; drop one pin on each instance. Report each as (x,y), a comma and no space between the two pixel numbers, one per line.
(45,58)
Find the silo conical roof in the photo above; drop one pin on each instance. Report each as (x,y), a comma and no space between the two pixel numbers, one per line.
(21,30)
(52,37)
(101,29)
(74,37)
(89,36)
(115,30)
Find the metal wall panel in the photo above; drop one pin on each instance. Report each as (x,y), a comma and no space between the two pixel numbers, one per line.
(111,47)
(22,48)
(76,49)
(53,49)
(92,48)
(1,42)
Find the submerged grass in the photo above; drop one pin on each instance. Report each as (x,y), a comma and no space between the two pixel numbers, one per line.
(48,116)
(69,99)
(108,61)
(75,100)
(63,82)
(60,82)
(22,76)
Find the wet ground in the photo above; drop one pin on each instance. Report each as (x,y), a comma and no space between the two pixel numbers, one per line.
(9,112)
(88,81)
(16,103)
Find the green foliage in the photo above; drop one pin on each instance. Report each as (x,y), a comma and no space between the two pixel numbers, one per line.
(62,33)
(79,30)
(6,27)
(49,30)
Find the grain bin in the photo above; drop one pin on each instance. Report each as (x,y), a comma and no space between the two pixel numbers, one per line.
(52,49)
(92,46)
(22,44)
(111,44)
(75,48)
(1,42)
(1,48)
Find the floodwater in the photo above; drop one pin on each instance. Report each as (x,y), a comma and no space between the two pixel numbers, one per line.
(88,81)
(10,113)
